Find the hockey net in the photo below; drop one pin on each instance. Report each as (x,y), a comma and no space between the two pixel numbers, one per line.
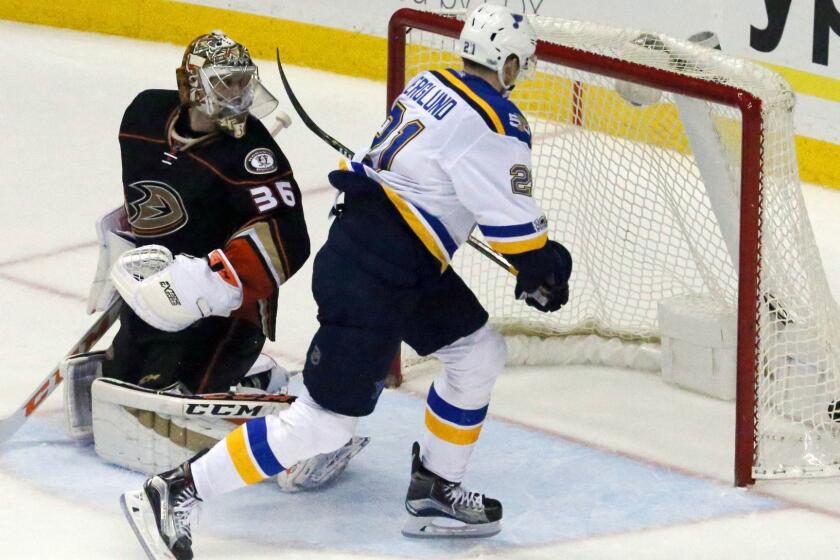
(689,188)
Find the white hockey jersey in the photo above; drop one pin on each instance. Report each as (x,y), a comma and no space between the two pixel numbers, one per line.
(454,153)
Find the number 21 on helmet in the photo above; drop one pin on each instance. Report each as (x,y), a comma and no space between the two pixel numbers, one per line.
(491,34)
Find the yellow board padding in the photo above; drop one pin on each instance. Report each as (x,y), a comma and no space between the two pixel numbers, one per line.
(323,48)
(359,55)
(552,98)
(808,83)
(818,161)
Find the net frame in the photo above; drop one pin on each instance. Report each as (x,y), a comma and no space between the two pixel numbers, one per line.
(749,298)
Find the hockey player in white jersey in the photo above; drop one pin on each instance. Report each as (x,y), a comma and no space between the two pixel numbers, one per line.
(453,154)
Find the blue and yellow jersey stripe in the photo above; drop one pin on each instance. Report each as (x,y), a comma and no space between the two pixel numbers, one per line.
(515,239)
(431,232)
(499,113)
(250,453)
(428,228)
(484,109)
(455,425)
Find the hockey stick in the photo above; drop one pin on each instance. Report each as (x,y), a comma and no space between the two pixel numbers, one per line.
(476,243)
(10,424)
(488,252)
(310,124)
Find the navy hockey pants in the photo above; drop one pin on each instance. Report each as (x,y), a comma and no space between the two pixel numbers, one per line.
(377,285)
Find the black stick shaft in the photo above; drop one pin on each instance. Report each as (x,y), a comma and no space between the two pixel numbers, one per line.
(346,152)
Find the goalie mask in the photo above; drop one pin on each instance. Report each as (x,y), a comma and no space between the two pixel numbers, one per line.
(218,77)
(492,33)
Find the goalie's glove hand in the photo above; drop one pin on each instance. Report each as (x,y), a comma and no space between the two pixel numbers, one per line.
(172,296)
(543,279)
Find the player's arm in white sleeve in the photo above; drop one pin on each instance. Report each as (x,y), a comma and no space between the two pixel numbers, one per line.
(492,179)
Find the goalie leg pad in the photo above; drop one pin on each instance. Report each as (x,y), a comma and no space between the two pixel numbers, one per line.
(152,431)
(79,373)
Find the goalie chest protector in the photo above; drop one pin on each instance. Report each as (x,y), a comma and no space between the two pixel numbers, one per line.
(193,201)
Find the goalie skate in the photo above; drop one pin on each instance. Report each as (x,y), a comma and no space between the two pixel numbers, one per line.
(161,514)
(439,508)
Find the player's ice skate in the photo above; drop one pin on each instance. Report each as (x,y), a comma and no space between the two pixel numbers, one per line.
(439,508)
(162,513)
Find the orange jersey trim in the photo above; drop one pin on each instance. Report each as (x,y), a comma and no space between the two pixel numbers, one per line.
(257,281)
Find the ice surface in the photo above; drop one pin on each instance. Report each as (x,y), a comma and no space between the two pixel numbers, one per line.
(591,463)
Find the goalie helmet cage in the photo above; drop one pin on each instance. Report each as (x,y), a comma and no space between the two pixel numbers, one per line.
(669,169)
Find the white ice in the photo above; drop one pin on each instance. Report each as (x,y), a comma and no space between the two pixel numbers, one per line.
(591,463)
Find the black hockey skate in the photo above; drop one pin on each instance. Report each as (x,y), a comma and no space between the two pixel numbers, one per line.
(439,508)
(162,512)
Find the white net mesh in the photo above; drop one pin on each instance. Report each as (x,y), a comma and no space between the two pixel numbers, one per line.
(646,196)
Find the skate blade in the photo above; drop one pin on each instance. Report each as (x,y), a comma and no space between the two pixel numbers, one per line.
(138,513)
(444,527)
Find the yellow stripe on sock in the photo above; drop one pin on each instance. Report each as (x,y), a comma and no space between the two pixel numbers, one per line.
(238,451)
(449,433)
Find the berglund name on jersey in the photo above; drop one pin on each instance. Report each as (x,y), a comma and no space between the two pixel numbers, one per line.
(430,97)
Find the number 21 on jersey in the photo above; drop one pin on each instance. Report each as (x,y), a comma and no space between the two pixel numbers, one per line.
(394,135)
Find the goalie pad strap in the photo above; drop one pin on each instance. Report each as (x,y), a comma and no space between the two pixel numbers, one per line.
(79,373)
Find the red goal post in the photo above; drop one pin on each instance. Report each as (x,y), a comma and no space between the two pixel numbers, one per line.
(681,80)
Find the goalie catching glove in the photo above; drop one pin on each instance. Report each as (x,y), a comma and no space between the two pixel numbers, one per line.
(171,294)
(543,279)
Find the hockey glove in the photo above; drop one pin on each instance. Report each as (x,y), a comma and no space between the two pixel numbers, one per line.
(353,183)
(543,279)
(176,295)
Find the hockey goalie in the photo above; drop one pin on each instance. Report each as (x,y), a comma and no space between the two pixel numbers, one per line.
(211,227)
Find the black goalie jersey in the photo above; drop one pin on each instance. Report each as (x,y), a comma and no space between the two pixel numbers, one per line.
(235,194)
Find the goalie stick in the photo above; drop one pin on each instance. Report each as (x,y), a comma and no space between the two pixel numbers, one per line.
(10,424)
(476,243)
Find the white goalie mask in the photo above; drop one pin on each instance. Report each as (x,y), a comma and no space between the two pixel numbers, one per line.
(492,33)
(218,77)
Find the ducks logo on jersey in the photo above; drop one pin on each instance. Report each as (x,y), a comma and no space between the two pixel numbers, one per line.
(154,209)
